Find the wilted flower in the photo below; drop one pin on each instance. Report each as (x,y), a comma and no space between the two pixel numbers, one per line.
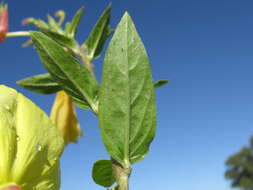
(30,145)
(4,21)
(64,117)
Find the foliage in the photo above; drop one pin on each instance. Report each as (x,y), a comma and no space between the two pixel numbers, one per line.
(124,102)
(240,168)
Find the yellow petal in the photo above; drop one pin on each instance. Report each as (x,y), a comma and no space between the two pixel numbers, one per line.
(30,145)
(10,187)
(64,117)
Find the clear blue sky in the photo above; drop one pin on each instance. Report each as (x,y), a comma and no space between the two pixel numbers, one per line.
(204,114)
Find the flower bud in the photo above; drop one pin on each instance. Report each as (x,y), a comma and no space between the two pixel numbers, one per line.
(64,117)
(4,23)
(27,21)
(60,14)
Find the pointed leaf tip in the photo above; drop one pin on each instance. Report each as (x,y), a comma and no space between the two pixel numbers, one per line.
(160,83)
(109,6)
(98,35)
(43,83)
(126,14)
(72,27)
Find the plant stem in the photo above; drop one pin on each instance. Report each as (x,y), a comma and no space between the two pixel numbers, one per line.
(123,183)
(85,61)
(121,175)
(17,34)
(82,54)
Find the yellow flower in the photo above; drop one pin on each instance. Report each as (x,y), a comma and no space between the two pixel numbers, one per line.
(64,117)
(30,145)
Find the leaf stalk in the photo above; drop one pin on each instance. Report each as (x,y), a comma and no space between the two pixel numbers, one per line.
(121,175)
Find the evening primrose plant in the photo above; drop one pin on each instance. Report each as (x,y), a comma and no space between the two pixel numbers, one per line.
(124,102)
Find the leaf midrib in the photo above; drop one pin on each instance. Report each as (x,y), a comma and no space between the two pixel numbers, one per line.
(127,131)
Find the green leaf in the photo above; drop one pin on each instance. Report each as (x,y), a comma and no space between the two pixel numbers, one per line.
(52,23)
(43,84)
(29,141)
(160,83)
(99,34)
(127,111)
(102,173)
(71,28)
(62,39)
(66,70)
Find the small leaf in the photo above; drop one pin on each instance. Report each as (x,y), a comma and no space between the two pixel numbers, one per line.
(66,70)
(99,34)
(52,23)
(160,83)
(127,110)
(43,84)
(71,28)
(102,173)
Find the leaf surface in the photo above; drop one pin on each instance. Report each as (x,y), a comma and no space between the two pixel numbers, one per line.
(62,39)
(43,84)
(127,112)
(66,70)
(102,173)
(71,28)
(99,34)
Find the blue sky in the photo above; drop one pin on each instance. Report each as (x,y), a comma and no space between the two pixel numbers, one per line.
(204,113)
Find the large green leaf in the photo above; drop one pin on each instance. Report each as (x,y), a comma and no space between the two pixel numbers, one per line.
(127,111)
(102,173)
(74,78)
(99,34)
(43,84)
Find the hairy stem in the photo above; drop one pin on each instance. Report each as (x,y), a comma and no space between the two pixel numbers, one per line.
(82,55)
(121,175)
(123,183)
(17,34)
(85,61)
